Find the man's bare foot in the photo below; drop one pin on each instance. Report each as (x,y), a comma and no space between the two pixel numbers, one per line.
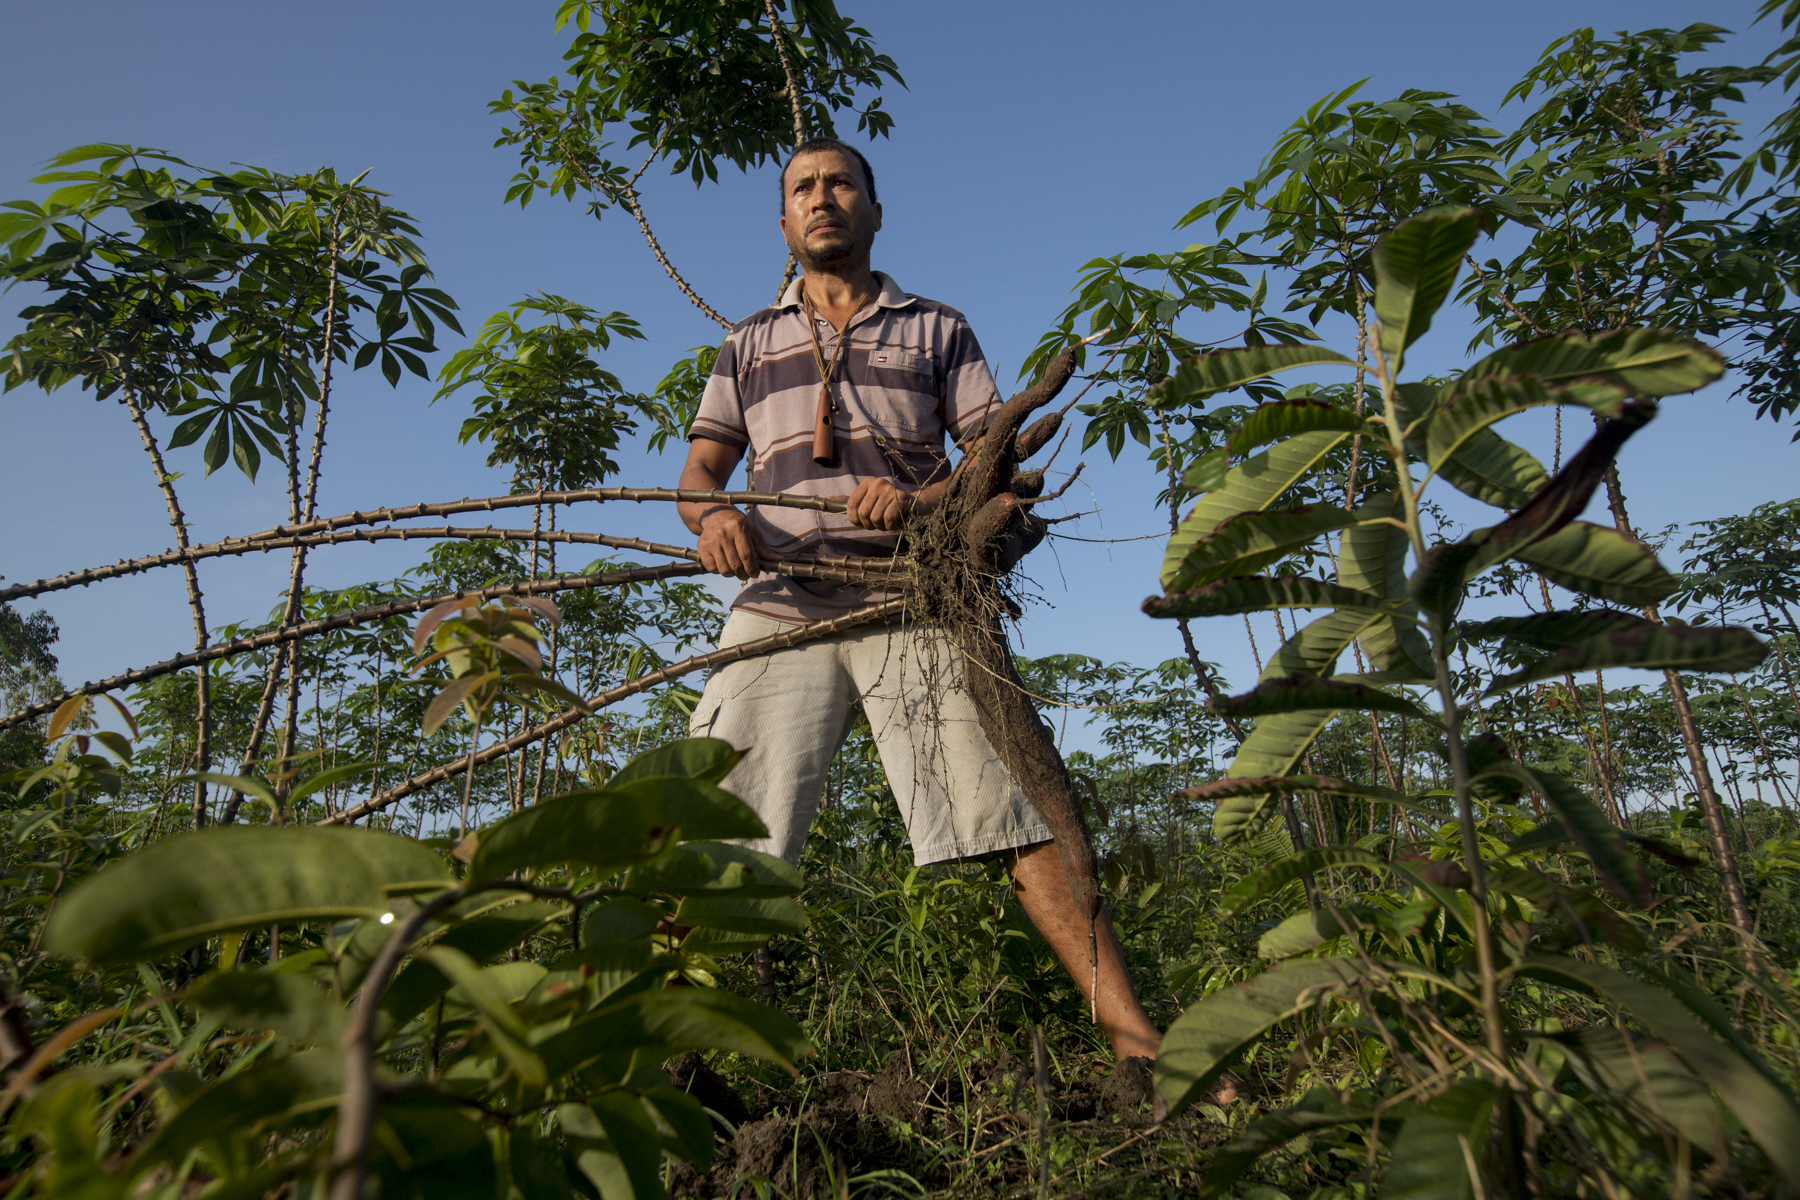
(1225,1089)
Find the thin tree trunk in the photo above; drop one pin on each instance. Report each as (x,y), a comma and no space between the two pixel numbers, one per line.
(202,678)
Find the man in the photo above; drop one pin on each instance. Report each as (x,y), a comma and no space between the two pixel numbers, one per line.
(899,372)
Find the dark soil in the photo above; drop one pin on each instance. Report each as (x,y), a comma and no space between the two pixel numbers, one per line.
(841,1124)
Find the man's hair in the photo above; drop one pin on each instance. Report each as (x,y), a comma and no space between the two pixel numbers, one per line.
(813,146)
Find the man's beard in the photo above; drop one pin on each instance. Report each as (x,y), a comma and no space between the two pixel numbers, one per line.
(830,249)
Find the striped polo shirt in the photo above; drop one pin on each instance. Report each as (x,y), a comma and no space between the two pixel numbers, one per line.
(911,373)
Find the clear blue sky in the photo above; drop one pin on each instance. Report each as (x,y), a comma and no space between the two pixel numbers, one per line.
(1032,138)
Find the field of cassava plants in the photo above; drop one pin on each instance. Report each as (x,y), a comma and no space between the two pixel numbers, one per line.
(1489,887)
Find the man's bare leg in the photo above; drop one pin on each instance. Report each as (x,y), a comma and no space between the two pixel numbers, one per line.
(1042,885)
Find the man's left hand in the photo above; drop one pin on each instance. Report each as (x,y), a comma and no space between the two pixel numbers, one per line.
(878,504)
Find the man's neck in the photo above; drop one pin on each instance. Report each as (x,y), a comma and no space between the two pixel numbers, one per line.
(839,295)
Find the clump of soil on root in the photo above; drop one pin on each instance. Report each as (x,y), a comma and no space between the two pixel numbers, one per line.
(837,1125)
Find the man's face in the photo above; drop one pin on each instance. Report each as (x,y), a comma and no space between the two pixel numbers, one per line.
(826,214)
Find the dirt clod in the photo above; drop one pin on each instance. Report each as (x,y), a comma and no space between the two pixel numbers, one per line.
(691,1074)
(1128,1089)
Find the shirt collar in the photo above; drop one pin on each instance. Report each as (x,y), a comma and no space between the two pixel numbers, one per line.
(890,295)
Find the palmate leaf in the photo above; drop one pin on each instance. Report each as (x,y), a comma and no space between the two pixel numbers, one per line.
(1551,630)
(1415,267)
(1647,645)
(1642,362)
(1617,868)
(1242,543)
(1284,418)
(1428,1161)
(1763,1106)
(184,889)
(1292,693)
(1222,370)
(1259,593)
(1250,487)
(1208,1038)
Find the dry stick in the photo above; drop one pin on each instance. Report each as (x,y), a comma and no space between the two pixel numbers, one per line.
(202,681)
(262,544)
(1724,854)
(699,662)
(283,634)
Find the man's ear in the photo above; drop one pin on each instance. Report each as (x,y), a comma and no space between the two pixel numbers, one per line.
(877,219)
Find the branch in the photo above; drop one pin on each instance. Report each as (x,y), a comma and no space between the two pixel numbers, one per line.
(283,536)
(630,196)
(699,662)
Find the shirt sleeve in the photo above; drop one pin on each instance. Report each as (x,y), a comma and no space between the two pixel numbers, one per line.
(970,399)
(720,417)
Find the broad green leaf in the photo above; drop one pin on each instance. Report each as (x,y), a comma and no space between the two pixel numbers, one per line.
(1240,544)
(1250,487)
(1763,1106)
(670,1021)
(1319,1110)
(1647,1079)
(706,868)
(1552,630)
(481,939)
(611,828)
(1208,1038)
(1428,1161)
(1258,593)
(181,890)
(778,914)
(285,1002)
(1372,558)
(634,1139)
(325,779)
(1478,404)
(613,969)
(1273,748)
(1647,645)
(704,760)
(1598,561)
(1294,693)
(620,920)
(694,1130)
(587,1143)
(1617,868)
(489,997)
(1284,418)
(1494,471)
(1644,362)
(267,1091)
(1315,650)
(425,1149)
(1415,266)
(1222,370)
(1299,933)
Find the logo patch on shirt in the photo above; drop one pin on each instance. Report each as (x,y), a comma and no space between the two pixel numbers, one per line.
(900,360)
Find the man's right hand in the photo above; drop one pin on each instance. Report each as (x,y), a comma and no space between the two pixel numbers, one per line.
(728,546)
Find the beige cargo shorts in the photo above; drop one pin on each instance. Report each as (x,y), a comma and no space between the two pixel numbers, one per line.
(792,709)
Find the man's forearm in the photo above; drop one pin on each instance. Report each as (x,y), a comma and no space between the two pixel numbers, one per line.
(699,479)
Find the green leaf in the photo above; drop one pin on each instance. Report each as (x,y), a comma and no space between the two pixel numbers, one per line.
(424,1149)
(1429,1161)
(1647,1079)
(1222,370)
(733,914)
(1284,418)
(669,1021)
(1415,267)
(1372,558)
(480,989)
(1258,593)
(1267,880)
(1642,362)
(1474,406)
(1250,487)
(1494,471)
(1552,630)
(1598,561)
(1272,749)
(634,1139)
(266,1092)
(287,1003)
(182,890)
(481,939)
(1617,868)
(1319,1110)
(1647,645)
(694,1130)
(1208,1038)
(703,760)
(614,827)
(705,868)
(1294,693)
(1763,1106)
(1297,934)
(1242,543)
(330,778)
